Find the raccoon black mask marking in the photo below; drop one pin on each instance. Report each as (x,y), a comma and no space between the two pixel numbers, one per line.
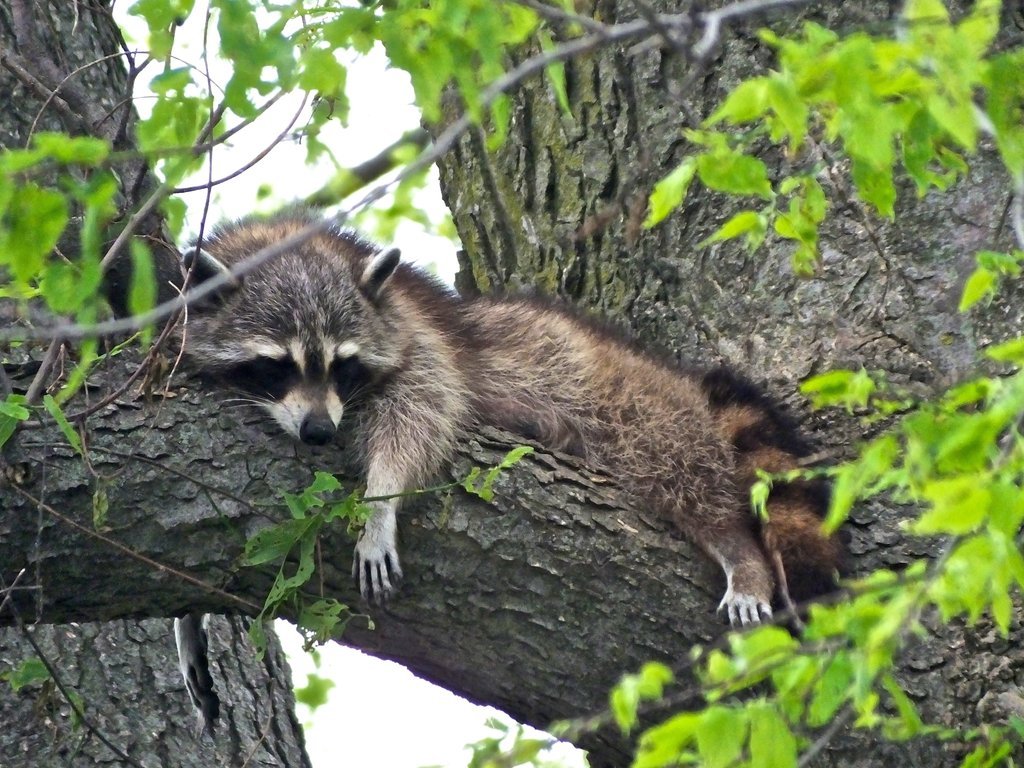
(336,322)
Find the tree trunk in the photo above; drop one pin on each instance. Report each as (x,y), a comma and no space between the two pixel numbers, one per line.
(537,602)
(123,672)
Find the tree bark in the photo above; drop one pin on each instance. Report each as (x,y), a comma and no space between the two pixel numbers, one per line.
(537,602)
(60,71)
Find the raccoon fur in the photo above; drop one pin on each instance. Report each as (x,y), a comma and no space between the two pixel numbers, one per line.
(336,323)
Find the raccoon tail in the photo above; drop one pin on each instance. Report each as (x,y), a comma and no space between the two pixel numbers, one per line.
(805,559)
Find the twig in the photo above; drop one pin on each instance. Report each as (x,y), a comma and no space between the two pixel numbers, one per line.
(666,34)
(713,20)
(38,385)
(53,93)
(8,592)
(211,183)
(156,565)
(827,735)
(553,13)
(368,171)
(1017,210)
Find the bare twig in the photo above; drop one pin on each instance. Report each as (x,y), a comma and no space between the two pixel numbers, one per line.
(39,381)
(553,13)
(826,736)
(211,183)
(53,93)
(154,564)
(671,40)
(1017,210)
(713,20)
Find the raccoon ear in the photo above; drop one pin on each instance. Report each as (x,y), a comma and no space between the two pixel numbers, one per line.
(205,266)
(377,271)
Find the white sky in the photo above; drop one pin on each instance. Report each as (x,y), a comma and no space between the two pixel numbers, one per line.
(378,713)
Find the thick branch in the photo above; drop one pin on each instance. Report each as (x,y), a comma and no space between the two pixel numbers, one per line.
(536,603)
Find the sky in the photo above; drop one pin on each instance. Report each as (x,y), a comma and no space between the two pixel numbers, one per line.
(371,698)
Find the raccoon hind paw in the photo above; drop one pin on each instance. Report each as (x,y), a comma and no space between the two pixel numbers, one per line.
(743,609)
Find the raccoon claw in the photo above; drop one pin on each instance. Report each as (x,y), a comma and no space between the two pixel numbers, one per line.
(377,571)
(744,610)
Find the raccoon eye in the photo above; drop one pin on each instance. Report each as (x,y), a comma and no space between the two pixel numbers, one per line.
(349,375)
(264,376)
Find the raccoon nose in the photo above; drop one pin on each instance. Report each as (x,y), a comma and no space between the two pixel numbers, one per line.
(317,429)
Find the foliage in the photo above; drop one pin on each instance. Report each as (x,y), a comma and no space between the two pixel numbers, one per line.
(293,543)
(879,102)
(913,104)
(909,105)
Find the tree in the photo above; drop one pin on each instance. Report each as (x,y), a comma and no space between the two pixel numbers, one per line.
(560,578)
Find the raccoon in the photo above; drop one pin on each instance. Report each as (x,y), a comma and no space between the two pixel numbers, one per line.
(336,323)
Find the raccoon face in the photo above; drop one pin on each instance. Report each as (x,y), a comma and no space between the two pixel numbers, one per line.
(301,336)
(304,390)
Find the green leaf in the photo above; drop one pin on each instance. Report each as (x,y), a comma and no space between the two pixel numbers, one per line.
(29,672)
(322,73)
(721,736)
(1008,352)
(735,173)
(665,744)
(32,225)
(83,150)
(772,744)
(746,102)
(555,74)
(321,621)
(670,192)
(175,79)
(12,411)
(274,543)
(742,223)
(791,110)
(314,693)
(1004,79)
(979,285)
(842,387)
(910,720)
(142,291)
(831,690)
(65,426)
(959,506)
(647,685)
(514,456)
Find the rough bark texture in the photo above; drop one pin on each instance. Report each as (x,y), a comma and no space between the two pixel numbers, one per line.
(124,672)
(558,209)
(536,603)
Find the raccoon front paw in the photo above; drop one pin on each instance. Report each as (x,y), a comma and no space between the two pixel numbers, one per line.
(744,609)
(376,569)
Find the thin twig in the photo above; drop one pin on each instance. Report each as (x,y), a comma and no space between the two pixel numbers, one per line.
(39,381)
(156,565)
(211,183)
(368,171)
(713,20)
(826,736)
(553,13)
